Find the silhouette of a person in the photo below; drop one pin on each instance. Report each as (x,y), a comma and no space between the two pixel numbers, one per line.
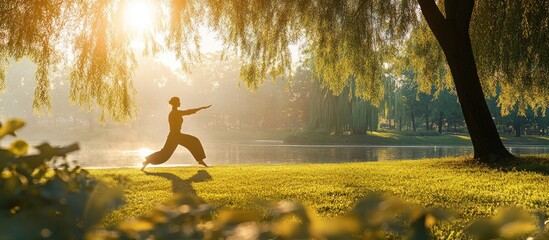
(175,138)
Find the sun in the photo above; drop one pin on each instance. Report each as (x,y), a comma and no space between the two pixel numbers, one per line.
(139,16)
(143,152)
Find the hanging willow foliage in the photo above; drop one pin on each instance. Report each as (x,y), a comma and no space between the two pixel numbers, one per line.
(104,62)
(349,39)
(341,113)
(511,40)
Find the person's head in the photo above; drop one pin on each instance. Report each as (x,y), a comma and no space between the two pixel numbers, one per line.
(174,101)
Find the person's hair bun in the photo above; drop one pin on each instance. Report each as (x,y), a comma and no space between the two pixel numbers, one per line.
(173,101)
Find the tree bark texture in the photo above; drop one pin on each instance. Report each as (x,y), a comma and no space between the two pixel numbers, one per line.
(452,33)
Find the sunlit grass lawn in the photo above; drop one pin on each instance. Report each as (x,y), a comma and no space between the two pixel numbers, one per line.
(332,189)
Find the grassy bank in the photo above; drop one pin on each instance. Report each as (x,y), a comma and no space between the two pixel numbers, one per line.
(332,189)
(404,138)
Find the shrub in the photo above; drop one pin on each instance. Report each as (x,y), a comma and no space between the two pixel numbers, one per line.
(374,217)
(43,197)
(186,217)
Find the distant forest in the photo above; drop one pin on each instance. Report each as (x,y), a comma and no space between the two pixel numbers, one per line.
(278,104)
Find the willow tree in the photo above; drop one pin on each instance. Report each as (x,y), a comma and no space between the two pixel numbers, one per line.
(342,113)
(350,39)
(92,39)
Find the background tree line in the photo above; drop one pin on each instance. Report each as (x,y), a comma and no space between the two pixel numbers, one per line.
(301,103)
(404,107)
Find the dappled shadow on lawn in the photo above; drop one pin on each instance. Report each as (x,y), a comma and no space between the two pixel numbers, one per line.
(183,186)
(533,164)
(118,179)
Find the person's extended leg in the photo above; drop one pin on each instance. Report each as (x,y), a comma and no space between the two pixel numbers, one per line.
(201,162)
(144,165)
(195,147)
(164,154)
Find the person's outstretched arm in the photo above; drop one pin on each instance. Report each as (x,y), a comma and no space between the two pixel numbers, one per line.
(193,111)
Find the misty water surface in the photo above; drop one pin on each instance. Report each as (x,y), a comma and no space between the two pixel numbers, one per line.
(100,154)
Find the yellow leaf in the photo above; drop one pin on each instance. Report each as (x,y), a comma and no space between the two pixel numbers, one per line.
(10,127)
(229,216)
(517,228)
(430,220)
(136,226)
(6,174)
(19,147)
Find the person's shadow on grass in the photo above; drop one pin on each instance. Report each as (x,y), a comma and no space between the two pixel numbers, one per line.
(184,186)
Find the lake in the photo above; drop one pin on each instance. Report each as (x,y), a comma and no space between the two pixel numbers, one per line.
(101,155)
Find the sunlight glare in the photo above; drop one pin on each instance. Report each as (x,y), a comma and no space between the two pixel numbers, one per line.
(209,41)
(143,152)
(138,16)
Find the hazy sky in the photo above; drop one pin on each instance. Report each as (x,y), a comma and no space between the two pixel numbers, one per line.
(156,80)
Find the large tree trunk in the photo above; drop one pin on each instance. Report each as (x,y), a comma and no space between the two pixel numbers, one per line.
(452,33)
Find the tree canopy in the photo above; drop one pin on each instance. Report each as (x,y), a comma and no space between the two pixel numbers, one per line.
(510,39)
(347,39)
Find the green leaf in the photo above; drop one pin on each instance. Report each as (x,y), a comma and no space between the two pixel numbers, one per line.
(11,183)
(54,189)
(48,152)
(30,162)
(10,127)
(101,202)
(5,158)
(19,147)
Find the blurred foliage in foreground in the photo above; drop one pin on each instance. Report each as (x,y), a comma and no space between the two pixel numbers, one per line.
(42,196)
(374,217)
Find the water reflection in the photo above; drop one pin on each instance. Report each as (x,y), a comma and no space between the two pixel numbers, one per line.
(94,154)
(274,154)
